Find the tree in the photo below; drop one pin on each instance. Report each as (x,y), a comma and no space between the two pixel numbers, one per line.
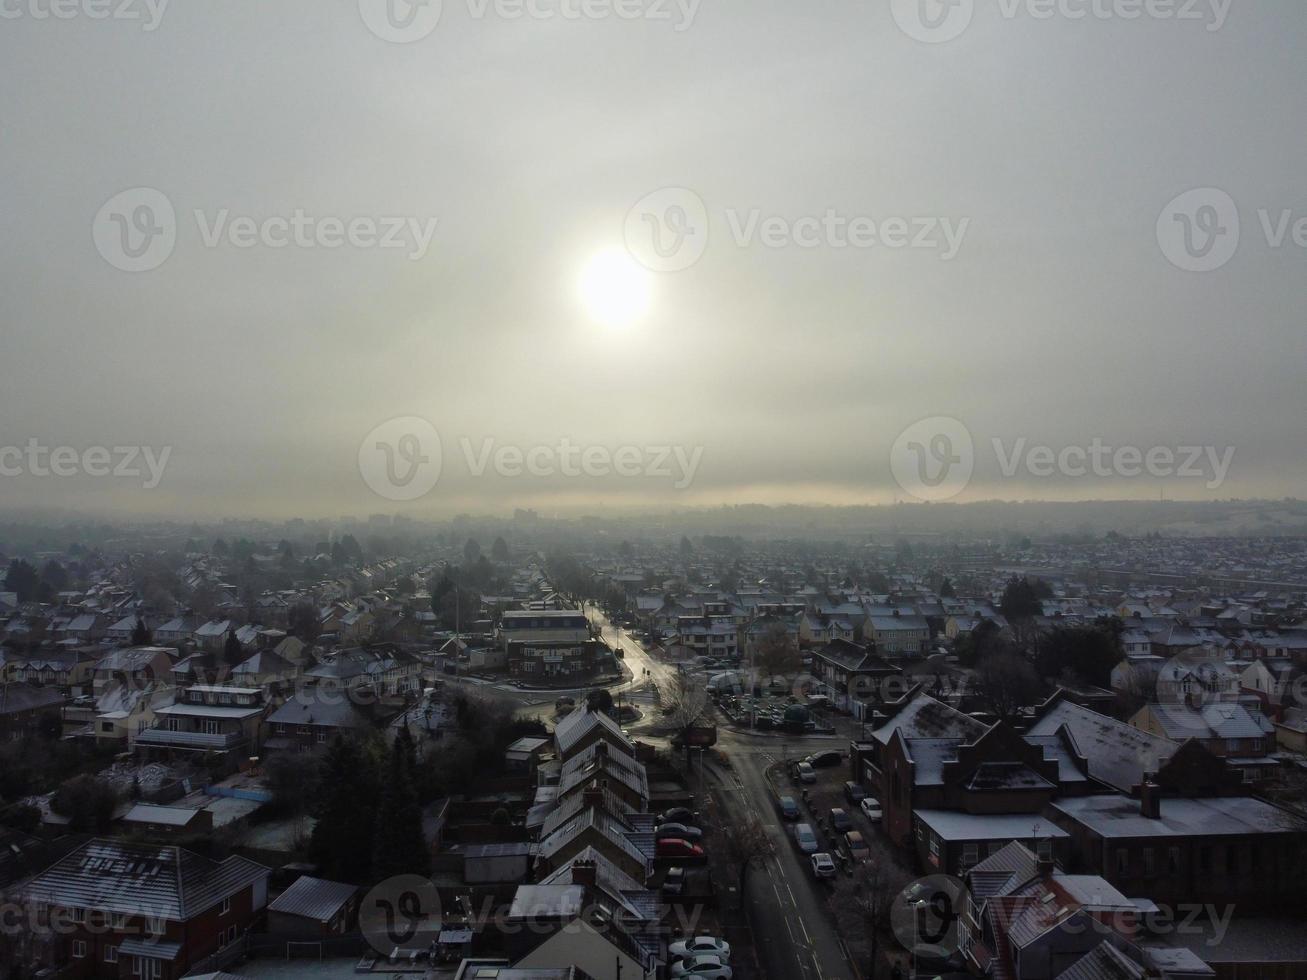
(232,651)
(55,576)
(220,548)
(1006,682)
(87,802)
(22,580)
(346,814)
(688,700)
(293,785)
(471,550)
(304,622)
(600,699)
(499,550)
(946,590)
(747,845)
(141,635)
(1084,654)
(863,902)
(1021,599)
(777,652)
(400,847)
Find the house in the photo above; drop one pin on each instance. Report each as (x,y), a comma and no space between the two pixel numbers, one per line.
(898,635)
(547,643)
(311,719)
(852,675)
(137,667)
(582,728)
(27,711)
(1227,849)
(382,670)
(141,910)
(120,713)
(314,907)
(68,668)
(1227,730)
(218,723)
(212,636)
(561,926)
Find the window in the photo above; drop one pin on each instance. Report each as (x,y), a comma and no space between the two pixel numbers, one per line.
(1173,860)
(970,853)
(322,737)
(79,949)
(1122,861)
(1045,849)
(225,907)
(1150,862)
(111,954)
(210,727)
(79,915)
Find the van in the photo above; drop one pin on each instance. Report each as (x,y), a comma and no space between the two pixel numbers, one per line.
(806,838)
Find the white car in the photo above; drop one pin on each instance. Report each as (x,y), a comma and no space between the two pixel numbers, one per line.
(688,949)
(871,809)
(823,866)
(706,967)
(807,774)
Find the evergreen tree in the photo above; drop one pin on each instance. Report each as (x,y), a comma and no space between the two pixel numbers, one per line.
(400,847)
(232,651)
(499,550)
(141,636)
(341,841)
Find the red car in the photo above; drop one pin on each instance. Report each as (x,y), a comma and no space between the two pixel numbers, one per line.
(676,847)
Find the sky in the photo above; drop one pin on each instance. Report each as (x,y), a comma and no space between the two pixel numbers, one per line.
(321,257)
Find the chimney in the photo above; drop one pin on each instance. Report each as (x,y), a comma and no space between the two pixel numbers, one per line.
(1150,800)
(592,795)
(601,749)
(584,873)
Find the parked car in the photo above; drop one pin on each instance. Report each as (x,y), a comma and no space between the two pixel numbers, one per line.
(854,793)
(678,814)
(857,847)
(806,773)
(665,830)
(823,866)
(806,838)
(871,809)
(674,881)
(788,808)
(701,946)
(840,821)
(825,760)
(707,967)
(678,847)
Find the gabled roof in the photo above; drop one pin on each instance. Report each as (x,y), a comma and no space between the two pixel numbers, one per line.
(1118,755)
(570,731)
(921,716)
(138,879)
(314,898)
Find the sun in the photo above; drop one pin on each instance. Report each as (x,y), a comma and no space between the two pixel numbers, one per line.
(615,289)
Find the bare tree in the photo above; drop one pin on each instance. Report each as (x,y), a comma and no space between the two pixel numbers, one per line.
(777,652)
(687,699)
(861,903)
(1006,682)
(747,845)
